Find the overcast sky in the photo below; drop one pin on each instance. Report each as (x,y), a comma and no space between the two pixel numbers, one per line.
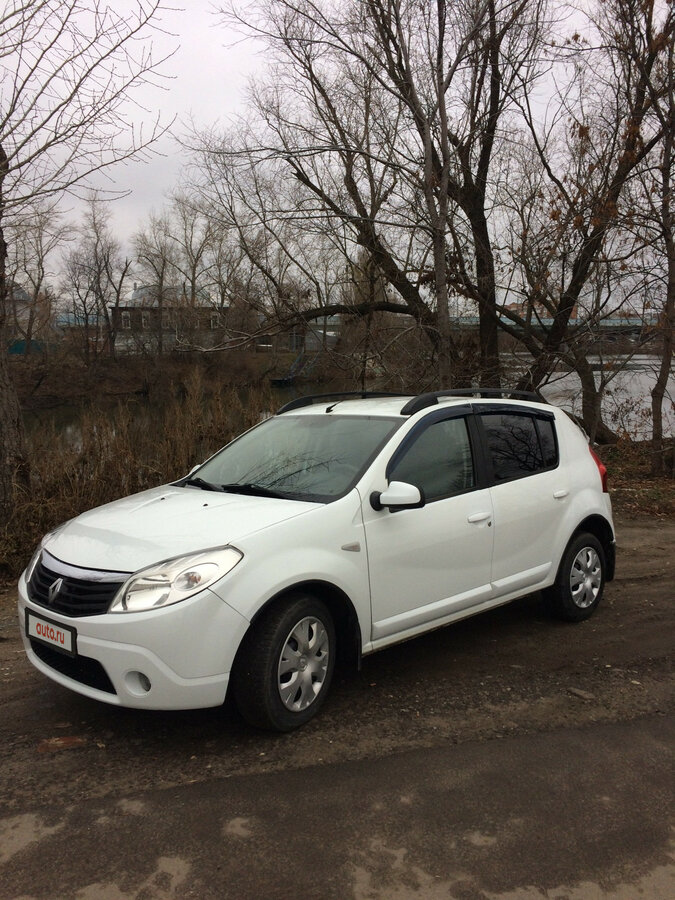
(206,79)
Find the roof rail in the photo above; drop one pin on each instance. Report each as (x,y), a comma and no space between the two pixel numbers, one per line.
(431,399)
(300,402)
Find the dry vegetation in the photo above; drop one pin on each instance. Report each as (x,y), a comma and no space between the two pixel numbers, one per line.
(635,491)
(119,452)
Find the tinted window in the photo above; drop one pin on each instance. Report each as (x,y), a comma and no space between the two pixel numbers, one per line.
(547,439)
(519,445)
(439,461)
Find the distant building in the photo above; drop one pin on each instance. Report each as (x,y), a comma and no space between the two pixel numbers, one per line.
(150,320)
(147,321)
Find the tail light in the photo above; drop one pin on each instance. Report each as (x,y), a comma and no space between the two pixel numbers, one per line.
(602,468)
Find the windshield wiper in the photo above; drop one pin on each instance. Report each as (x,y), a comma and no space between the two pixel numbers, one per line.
(201,483)
(254,490)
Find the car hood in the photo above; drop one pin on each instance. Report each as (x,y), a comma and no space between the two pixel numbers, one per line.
(140,530)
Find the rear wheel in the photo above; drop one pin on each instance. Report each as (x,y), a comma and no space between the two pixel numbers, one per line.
(581,580)
(285,665)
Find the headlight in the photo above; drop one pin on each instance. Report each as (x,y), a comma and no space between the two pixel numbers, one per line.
(174,580)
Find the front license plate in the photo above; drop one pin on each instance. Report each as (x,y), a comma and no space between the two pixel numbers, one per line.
(55,634)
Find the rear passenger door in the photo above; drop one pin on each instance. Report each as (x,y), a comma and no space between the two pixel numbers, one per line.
(528,494)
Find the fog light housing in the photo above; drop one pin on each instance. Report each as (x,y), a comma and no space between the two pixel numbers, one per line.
(138,683)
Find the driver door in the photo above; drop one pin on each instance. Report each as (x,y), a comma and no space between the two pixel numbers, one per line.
(428,563)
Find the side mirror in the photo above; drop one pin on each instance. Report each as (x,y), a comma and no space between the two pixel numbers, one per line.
(399,495)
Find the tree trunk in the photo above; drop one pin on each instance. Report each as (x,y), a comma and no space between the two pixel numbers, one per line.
(445,375)
(665,367)
(591,404)
(490,375)
(667,322)
(29,329)
(13,463)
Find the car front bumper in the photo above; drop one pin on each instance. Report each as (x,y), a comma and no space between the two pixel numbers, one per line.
(177,657)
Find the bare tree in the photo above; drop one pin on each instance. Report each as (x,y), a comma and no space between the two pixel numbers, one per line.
(192,233)
(82,289)
(267,252)
(664,221)
(156,253)
(387,114)
(230,278)
(96,273)
(33,240)
(96,277)
(67,69)
(604,131)
(539,248)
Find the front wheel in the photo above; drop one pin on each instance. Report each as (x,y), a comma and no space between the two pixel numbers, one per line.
(285,665)
(581,579)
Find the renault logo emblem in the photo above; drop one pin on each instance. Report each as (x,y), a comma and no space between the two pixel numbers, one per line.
(54,589)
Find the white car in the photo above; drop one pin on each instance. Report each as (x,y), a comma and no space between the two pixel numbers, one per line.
(341,525)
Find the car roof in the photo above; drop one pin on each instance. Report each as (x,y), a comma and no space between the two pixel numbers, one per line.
(404,405)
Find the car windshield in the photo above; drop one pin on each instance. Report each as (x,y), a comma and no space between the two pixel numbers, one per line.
(317,458)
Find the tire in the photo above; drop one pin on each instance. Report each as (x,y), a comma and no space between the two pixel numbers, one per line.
(284,667)
(580,581)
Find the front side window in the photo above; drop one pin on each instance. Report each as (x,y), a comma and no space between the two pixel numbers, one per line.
(519,445)
(438,461)
(304,457)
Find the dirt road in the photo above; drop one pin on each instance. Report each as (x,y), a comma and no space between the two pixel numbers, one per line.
(512,673)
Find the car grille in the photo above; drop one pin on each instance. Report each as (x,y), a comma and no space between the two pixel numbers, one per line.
(76,597)
(79,668)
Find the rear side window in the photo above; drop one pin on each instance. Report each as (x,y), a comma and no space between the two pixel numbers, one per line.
(438,461)
(549,447)
(519,445)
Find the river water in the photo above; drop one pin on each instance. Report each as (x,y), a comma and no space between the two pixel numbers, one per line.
(626,402)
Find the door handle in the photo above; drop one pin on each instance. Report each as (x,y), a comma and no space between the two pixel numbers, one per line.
(560,495)
(478,517)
